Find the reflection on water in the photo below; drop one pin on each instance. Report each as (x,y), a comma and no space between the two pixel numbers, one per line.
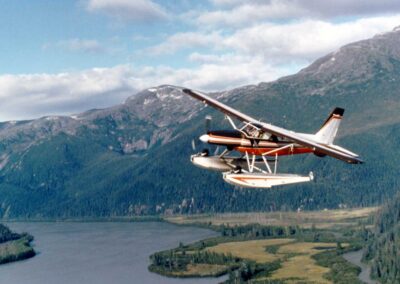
(102,252)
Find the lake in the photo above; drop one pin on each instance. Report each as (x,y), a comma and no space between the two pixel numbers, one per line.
(98,252)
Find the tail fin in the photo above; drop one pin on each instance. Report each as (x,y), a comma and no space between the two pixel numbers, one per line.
(328,131)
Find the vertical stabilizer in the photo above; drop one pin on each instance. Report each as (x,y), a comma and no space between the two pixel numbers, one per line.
(328,131)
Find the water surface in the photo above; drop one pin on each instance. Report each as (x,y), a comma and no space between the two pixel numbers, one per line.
(103,252)
(355,258)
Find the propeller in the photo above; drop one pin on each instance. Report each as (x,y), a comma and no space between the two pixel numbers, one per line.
(193,145)
(208,123)
(205,152)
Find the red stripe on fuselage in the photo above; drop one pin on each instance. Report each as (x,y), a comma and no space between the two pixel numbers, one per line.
(260,151)
(259,148)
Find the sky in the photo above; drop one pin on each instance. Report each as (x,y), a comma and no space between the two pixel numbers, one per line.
(67,56)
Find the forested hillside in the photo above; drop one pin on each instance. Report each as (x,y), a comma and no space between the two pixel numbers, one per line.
(384,248)
(133,159)
(7,235)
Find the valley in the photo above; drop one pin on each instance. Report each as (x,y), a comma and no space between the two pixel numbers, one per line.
(217,141)
(279,247)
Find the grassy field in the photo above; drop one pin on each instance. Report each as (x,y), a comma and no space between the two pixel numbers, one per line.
(303,269)
(16,250)
(323,219)
(296,259)
(301,265)
(201,270)
(252,250)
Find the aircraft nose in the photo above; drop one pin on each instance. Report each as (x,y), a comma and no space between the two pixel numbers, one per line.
(204,138)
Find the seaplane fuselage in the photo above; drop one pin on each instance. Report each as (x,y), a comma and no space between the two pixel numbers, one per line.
(236,140)
(256,140)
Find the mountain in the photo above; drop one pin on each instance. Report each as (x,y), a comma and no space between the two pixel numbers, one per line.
(133,159)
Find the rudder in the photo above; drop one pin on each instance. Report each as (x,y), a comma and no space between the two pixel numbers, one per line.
(328,131)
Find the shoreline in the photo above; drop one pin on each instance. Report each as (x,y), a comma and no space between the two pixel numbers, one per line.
(17,250)
(245,251)
(215,264)
(315,227)
(209,220)
(117,252)
(355,257)
(150,218)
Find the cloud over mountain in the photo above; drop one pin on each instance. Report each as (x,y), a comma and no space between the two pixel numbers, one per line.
(117,47)
(127,10)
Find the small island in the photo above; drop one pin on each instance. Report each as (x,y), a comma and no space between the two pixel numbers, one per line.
(14,246)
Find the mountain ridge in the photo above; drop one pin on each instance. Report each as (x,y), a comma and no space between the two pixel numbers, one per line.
(132,159)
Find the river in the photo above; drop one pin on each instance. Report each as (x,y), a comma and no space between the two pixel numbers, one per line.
(355,258)
(98,252)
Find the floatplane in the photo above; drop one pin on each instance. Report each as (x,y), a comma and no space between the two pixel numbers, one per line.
(260,144)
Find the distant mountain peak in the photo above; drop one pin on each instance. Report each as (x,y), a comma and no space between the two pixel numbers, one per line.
(354,62)
(396,29)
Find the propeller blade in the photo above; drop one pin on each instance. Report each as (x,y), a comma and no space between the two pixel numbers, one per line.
(205,152)
(193,145)
(208,122)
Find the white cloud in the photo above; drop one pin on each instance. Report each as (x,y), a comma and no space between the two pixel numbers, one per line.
(226,2)
(78,45)
(128,10)
(206,58)
(218,74)
(28,96)
(36,95)
(277,43)
(186,40)
(249,13)
(348,8)
(234,13)
(250,42)
(229,71)
(306,39)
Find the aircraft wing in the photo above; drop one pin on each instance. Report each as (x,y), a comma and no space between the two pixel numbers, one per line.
(335,152)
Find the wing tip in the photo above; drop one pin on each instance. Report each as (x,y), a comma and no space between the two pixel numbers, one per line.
(338,111)
(356,161)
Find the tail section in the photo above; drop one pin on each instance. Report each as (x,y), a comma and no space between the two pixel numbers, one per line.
(328,131)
